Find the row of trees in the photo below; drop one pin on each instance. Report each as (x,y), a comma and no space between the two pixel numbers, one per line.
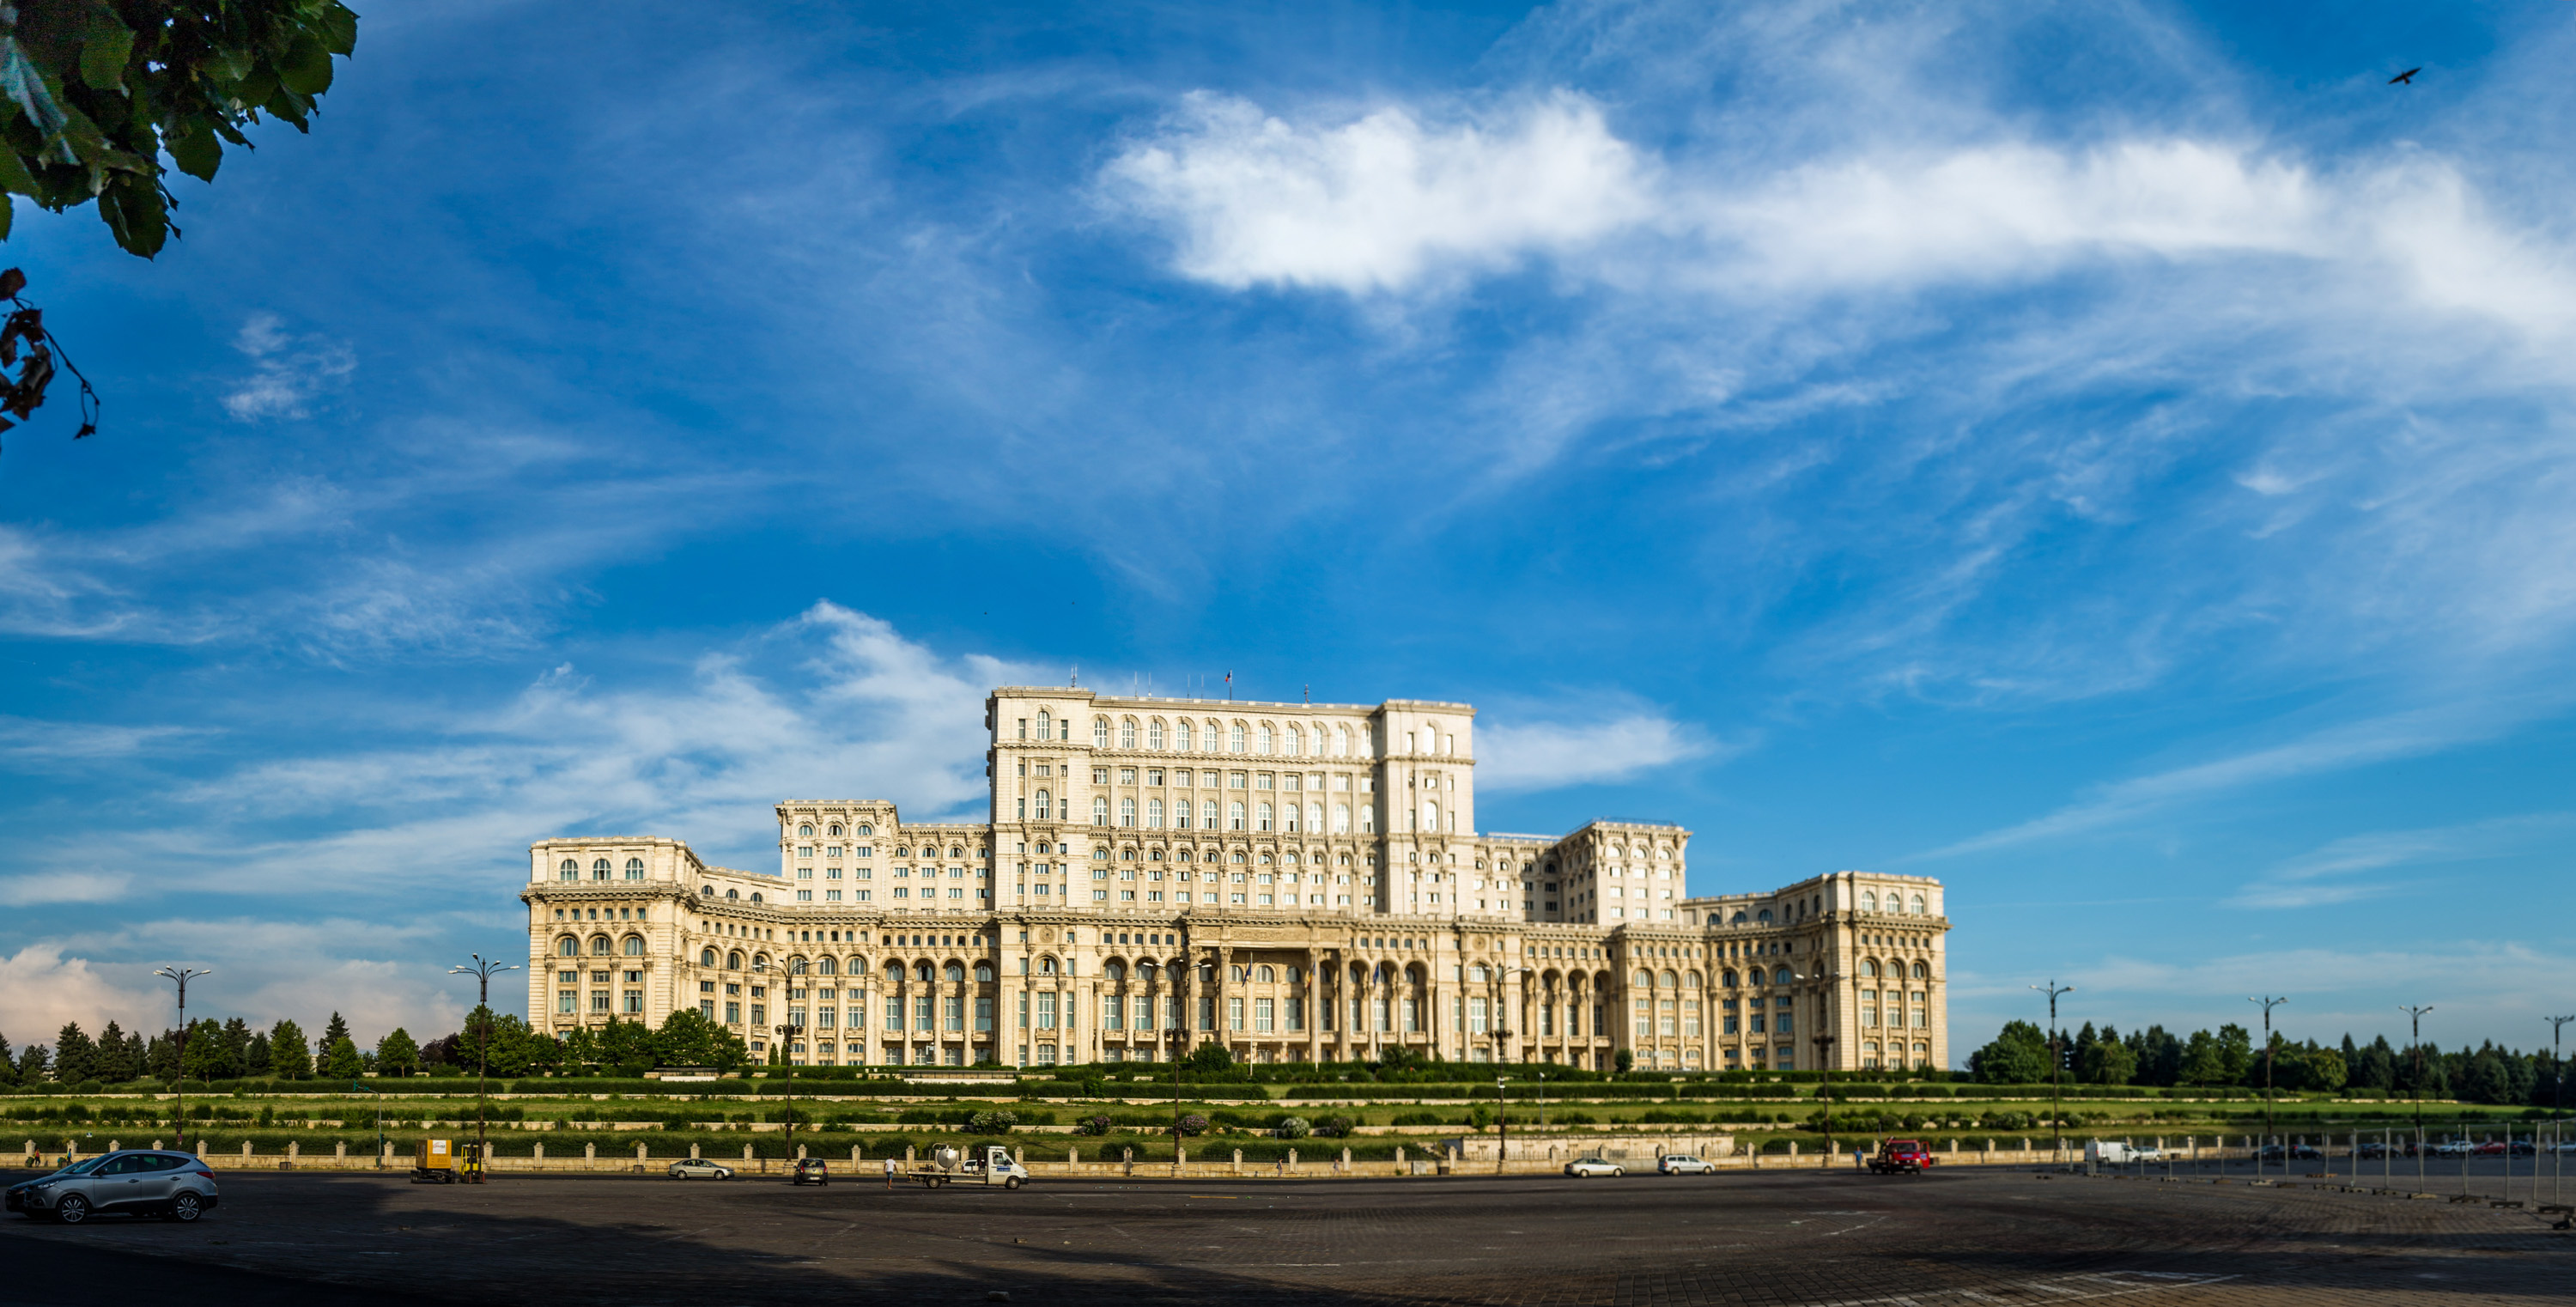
(2229,1058)
(232,1050)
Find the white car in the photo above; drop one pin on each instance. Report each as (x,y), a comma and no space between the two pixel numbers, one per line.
(1685,1164)
(1584,1168)
(696,1168)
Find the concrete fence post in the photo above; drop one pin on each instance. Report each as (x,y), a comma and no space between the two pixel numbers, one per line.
(590,1152)
(294,1150)
(340,1148)
(1399,1159)
(908,1158)
(1292,1159)
(539,1154)
(245,1150)
(746,1152)
(855,1156)
(693,1152)
(1073,1157)
(1238,1161)
(641,1157)
(1346,1161)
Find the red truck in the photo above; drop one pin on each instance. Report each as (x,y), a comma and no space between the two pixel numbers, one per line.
(1901,1157)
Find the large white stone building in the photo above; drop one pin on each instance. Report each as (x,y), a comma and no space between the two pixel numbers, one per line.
(1294,881)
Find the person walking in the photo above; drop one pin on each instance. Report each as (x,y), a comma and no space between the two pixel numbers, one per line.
(889,1172)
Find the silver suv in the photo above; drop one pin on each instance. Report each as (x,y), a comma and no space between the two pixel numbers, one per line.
(141,1182)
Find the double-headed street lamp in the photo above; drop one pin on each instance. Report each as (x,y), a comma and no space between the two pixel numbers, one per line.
(1824,1042)
(788,1034)
(1502,1122)
(482,969)
(2268,1005)
(2056,1067)
(182,975)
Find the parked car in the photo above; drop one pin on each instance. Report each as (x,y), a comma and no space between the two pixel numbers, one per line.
(2491,1148)
(811,1170)
(2290,1153)
(1902,1157)
(138,1182)
(696,1168)
(2374,1149)
(1584,1168)
(1684,1164)
(2451,1148)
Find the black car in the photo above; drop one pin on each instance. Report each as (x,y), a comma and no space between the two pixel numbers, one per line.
(2294,1152)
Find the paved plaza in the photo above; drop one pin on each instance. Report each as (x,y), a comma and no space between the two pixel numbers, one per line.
(1962,1239)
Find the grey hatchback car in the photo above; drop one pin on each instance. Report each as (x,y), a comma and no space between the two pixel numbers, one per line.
(140,1182)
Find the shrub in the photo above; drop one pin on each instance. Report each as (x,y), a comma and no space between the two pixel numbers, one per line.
(1194,1124)
(995,1123)
(1295,1127)
(1095,1125)
(1419,1118)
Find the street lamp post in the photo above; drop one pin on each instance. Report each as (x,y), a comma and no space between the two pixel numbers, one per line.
(2415,1015)
(2557,1110)
(2268,1005)
(1502,1124)
(182,975)
(482,969)
(2056,1066)
(1823,1039)
(788,1034)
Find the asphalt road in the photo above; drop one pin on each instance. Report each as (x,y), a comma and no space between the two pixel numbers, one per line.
(1955,1239)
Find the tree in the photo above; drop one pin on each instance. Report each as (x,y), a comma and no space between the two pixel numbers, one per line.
(396,1054)
(33,1060)
(2236,1058)
(8,1065)
(2018,1056)
(233,1042)
(333,1032)
(73,1054)
(2108,1062)
(1622,1060)
(1211,1060)
(289,1056)
(690,1039)
(93,94)
(343,1062)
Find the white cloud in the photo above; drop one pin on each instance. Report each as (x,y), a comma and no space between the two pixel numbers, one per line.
(1380,201)
(1592,749)
(40,990)
(2327,874)
(288,371)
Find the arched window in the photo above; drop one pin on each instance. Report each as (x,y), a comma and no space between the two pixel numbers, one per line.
(805,832)
(1265,974)
(755,896)
(1113,970)
(826,966)
(568,947)
(1341,819)
(1045,731)
(1100,732)
(634,946)
(599,946)
(865,830)
(1669,981)
(894,972)
(1645,980)
(956,973)
(1296,743)
(634,869)
(1181,736)
(1869,900)
(733,962)
(1690,980)
(1154,734)
(924,972)
(706,957)
(983,973)
(1265,738)
(1922,972)
(1261,814)
(1127,733)
(1046,966)
(1234,814)
(1126,812)
(836,829)
(733,893)
(795,966)
(1781,976)
(1234,739)
(599,869)
(570,870)
(1145,971)
(1100,810)
(1430,815)
(1154,814)
(1043,807)
(1868,967)
(1764,917)
(1341,741)
(1918,905)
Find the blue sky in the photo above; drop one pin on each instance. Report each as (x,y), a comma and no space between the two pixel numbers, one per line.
(2117,458)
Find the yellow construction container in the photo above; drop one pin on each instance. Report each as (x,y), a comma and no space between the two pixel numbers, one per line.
(437,1163)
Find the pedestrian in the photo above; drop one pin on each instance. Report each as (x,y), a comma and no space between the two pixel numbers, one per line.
(889,1172)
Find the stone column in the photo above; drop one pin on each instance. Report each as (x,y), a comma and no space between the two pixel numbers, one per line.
(1316,998)
(339,1148)
(540,1155)
(590,1152)
(1346,1161)
(641,1157)
(294,1150)
(1238,1161)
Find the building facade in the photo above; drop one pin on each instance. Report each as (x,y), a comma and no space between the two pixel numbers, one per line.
(1294,881)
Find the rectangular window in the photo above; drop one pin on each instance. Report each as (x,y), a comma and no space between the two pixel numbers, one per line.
(984,1014)
(956,1012)
(567,1001)
(707,1008)
(1757,1024)
(1046,1011)
(858,1016)
(1413,1016)
(760,1014)
(733,1014)
(1234,1014)
(1476,1015)
(1023,1006)
(894,1012)
(924,1011)
(1207,1012)
(1296,1013)
(1113,1011)
(599,1000)
(634,1002)
(1264,1014)
(1787,1025)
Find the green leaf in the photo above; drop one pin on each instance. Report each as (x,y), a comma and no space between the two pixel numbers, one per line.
(197,153)
(15,178)
(133,211)
(104,51)
(306,70)
(25,87)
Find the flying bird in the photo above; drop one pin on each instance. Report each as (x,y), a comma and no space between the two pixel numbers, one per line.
(2407,77)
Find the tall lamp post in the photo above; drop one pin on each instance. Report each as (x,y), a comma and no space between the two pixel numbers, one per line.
(1502,1123)
(2557,1109)
(788,1033)
(2056,1067)
(2268,1005)
(2415,1016)
(1823,1039)
(182,975)
(482,969)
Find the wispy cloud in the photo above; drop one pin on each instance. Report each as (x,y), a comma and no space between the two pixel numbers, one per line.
(2332,873)
(1598,741)
(288,371)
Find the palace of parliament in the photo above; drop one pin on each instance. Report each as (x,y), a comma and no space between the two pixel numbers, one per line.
(1295,881)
